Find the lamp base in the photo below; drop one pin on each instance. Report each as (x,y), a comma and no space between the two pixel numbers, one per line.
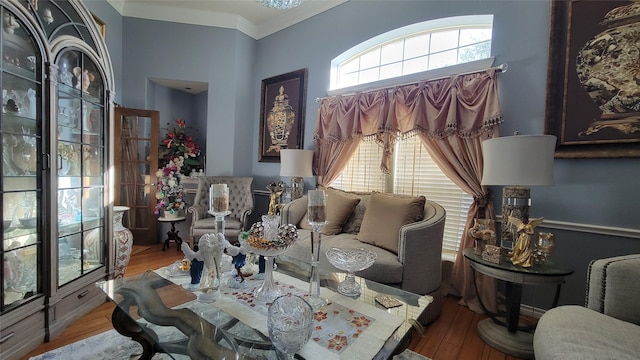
(516,201)
(297,187)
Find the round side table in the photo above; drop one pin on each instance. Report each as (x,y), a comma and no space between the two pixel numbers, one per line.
(506,335)
(172,234)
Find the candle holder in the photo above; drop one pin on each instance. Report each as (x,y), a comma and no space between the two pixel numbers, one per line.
(219,204)
(317,217)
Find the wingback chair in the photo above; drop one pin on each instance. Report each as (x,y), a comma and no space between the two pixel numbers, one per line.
(241,204)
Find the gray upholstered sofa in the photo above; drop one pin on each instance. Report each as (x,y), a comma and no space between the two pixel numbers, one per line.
(607,327)
(241,203)
(414,265)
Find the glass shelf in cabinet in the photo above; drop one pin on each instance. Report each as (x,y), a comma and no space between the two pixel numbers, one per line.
(17,123)
(27,73)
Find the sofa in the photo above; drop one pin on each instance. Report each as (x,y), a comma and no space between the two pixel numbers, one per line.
(241,203)
(607,327)
(405,233)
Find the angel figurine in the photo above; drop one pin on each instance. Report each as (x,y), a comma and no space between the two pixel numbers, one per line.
(521,253)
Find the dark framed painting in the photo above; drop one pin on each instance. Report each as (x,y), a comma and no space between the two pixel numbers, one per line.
(282,111)
(593,87)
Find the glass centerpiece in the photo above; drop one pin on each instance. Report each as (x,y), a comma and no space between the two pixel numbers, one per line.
(268,239)
(350,260)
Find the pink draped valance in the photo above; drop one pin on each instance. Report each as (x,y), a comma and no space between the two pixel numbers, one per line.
(461,105)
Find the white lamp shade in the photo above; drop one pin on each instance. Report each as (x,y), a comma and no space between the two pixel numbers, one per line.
(296,162)
(519,160)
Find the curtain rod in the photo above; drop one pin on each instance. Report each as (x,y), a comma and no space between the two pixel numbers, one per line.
(502,68)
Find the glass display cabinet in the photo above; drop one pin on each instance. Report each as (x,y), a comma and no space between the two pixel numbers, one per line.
(56,80)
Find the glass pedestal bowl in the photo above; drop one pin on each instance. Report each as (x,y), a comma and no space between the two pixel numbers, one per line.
(350,260)
(255,242)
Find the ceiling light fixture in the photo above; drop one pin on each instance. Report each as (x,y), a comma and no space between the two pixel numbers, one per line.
(280,4)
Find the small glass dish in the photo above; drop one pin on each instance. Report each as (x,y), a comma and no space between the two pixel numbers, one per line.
(350,260)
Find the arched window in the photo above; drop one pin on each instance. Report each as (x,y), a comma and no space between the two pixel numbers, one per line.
(392,58)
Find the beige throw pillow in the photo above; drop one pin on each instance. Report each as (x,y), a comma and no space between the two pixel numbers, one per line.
(339,209)
(384,217)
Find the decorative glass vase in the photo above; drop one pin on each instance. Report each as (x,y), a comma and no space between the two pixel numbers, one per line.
(317,217)
(123,239)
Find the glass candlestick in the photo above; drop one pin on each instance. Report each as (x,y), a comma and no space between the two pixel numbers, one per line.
(317,217)
(219,204)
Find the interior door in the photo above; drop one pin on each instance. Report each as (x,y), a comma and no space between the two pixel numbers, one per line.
(136,160)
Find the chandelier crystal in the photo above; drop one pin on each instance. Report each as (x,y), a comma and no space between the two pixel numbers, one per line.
(280,4)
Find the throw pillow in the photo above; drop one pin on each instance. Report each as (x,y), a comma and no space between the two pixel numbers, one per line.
(384,217)
(339,209)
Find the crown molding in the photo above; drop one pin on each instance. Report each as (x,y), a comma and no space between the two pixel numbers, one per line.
(223,20)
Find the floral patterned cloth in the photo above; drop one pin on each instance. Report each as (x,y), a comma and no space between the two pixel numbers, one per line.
(336,327)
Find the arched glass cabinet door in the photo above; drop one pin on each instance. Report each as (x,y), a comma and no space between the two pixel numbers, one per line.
(21,181)
(80,166)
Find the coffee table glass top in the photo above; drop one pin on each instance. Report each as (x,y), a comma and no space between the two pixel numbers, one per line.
(153,300)
(549,268)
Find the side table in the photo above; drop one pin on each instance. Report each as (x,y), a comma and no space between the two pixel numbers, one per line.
(172,234)
(506,335)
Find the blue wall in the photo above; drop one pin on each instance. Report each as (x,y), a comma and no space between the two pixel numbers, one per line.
(587,191)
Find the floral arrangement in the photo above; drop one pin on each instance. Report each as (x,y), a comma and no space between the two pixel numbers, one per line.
(170,195)
(177,144)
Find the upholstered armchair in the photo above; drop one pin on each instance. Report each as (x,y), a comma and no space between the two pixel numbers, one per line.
(241,205)
(607,327)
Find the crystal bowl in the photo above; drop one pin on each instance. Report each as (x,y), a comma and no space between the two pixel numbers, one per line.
(350,260)
(29,222)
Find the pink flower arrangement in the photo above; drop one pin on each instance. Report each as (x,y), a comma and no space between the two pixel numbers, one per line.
(176,144)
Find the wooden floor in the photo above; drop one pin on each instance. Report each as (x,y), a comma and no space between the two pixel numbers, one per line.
(452,336)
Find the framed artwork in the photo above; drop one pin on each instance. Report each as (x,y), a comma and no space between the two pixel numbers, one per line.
(101,25)
(282,111)
(593,93)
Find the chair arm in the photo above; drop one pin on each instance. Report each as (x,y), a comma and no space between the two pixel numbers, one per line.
(612,287)
(293,211)
(244,218)
(420,251)
(196,213)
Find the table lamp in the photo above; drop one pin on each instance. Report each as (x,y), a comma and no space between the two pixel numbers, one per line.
(517,162)
(296,163)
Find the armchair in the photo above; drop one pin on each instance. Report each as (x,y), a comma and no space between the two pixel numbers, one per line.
(607,327)
(241,205)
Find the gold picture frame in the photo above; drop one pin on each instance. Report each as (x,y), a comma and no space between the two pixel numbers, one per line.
(282,112)
(101,25)
(576,110)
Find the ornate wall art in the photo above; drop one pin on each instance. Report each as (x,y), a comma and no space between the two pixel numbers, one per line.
(282,111)
(593,79)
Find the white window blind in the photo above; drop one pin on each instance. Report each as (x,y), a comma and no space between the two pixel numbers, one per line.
(414,173)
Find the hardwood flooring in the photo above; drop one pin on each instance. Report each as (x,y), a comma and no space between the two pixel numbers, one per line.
(452,336)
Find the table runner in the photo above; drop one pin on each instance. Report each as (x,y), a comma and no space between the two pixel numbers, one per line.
(380,325)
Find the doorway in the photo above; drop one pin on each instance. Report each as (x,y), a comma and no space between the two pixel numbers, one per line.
(136,164)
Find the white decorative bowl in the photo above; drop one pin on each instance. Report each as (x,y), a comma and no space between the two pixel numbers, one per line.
(350,260)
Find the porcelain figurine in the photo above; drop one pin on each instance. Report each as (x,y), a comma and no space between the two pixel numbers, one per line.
(83,78)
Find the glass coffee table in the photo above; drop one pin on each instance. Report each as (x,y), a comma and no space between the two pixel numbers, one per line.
(155,310)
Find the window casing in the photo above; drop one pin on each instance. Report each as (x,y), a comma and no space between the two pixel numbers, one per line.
(412,50)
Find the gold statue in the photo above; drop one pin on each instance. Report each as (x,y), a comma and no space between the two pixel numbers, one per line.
(521,253)
(275,197)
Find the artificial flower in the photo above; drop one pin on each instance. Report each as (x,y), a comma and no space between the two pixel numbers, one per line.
(181,148)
